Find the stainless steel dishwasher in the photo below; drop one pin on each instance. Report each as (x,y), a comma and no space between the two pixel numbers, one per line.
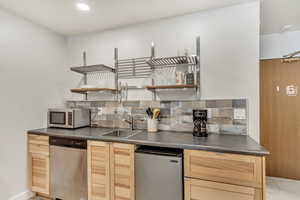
(68,169)
(158,173)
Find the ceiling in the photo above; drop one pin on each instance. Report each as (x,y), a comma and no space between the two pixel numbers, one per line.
(278,15)
(63,17)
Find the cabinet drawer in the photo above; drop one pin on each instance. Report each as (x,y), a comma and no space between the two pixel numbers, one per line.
(39,149)
(204,190)
(38,139)
(223,167)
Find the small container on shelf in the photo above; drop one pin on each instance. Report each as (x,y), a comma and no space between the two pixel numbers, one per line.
(190,77)
(180,78)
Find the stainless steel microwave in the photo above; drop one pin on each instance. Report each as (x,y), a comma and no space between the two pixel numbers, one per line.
(68,118)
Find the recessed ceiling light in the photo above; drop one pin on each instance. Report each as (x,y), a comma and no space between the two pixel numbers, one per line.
(83,6)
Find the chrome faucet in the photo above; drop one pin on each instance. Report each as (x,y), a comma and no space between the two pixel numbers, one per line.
(130,122)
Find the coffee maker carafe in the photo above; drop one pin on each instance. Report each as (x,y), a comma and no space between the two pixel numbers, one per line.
(200,121)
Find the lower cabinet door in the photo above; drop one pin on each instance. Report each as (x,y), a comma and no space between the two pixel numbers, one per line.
(39,173)
(98,171)
(122,171)
(206,190)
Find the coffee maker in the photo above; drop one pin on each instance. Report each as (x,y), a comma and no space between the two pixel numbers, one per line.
(200,121)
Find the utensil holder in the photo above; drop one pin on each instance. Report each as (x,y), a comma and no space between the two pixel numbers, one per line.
(152,125)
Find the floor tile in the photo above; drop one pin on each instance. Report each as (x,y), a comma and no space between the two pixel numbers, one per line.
(282,189)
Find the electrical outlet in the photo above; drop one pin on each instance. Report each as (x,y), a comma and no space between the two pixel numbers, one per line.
(239,114)
(213,128)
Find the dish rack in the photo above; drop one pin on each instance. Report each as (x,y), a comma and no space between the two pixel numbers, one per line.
(173,61)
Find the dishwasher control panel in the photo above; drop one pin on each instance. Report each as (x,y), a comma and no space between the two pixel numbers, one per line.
(66,142)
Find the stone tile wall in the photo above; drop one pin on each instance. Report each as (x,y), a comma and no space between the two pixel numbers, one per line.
(224,116)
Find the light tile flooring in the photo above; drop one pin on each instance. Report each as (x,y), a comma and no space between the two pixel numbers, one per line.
(282,189)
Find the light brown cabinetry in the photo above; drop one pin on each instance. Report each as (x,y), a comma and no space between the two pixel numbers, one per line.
(221,167)
(208,175)
(38,147)
(230,176)
(122,171)
(208,190)
(98,171)
(110,171)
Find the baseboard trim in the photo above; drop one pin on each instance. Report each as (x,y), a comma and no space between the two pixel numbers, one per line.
(23,196)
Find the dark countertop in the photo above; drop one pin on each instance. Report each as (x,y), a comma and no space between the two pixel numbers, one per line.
(239,144)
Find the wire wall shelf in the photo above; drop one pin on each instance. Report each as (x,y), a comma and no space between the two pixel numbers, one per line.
(99,71)
(143,67)
(92,69)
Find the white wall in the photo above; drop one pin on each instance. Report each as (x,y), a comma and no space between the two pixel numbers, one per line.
(279,44)
(33,74)
(229,50)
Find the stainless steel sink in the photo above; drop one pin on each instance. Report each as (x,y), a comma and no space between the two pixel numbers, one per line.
(122,133)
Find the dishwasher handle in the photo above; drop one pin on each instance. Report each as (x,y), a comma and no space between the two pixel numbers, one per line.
(66,142)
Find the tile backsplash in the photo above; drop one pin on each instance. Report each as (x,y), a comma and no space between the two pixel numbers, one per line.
(224,116)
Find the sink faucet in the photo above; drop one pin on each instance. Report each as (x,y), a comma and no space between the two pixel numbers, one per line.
(130,122)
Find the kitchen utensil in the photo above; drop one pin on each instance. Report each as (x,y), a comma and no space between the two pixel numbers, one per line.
(156,113)
(149,112)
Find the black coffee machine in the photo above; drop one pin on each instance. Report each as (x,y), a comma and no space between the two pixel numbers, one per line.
(200,121)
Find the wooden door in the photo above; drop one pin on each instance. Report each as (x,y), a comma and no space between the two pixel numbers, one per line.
(98,171)
(207,190)
(280,117)
(40,173)
(38,160)
(122,171)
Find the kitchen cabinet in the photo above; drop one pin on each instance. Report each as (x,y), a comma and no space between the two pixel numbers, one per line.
(230,176)
(110,171)
(38,147)
(207,190)
(223,167)
(98,170)
(122,171)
